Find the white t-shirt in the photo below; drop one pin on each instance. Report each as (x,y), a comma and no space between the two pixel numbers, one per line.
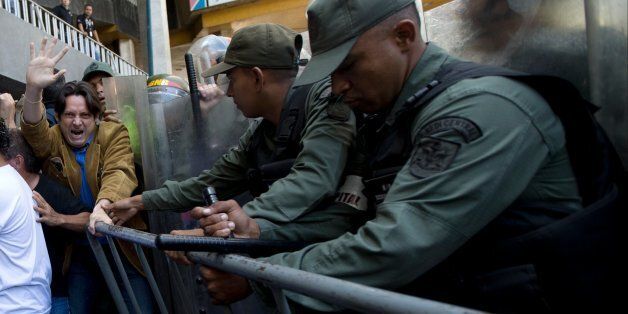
(25,272)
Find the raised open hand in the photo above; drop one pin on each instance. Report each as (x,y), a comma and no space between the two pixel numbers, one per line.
(40,69)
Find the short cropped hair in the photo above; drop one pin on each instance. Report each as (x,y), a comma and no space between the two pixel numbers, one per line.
(78,89)
(409,12)
(282,74)
(19,146)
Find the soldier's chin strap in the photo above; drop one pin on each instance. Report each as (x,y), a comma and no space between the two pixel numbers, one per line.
(298,45)
(292,118)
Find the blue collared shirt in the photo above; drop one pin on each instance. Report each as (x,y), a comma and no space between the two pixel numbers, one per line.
(86,194)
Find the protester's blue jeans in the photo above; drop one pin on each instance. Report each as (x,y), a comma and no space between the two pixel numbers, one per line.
(88,292)
(60,305)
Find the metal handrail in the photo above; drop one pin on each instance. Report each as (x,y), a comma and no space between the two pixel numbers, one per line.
(46,21)
(278,278)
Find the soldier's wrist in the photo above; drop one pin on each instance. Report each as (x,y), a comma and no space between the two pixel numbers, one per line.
(138,202)
(254,229)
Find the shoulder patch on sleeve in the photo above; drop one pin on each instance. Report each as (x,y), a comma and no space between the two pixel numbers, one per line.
(467,129)
(432,155)
(337,110)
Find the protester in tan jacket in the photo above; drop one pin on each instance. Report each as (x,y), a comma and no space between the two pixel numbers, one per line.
(109,168)
(93,159)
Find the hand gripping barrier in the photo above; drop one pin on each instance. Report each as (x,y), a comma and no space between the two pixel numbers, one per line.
(278,278)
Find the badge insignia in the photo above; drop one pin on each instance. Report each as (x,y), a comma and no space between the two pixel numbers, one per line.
(468,130)
(432,156)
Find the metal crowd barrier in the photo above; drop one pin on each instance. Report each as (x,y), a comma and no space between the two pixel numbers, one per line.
(39,17)
(278,278)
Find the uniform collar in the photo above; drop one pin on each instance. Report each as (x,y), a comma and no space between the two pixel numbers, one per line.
(424,72)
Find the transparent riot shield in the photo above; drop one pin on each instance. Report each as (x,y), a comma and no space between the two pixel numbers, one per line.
(535,36)
(125,94)
(208,51)
(223,126)
(581,41)
(173,149)
(169,147)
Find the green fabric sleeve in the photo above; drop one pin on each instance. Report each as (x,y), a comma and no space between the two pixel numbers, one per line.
(325,224)
(423,220)
(316,172)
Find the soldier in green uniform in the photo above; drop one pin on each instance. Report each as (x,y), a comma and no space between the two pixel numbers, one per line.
(445,181)
(292,159)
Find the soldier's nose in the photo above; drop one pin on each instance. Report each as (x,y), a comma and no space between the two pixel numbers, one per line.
(339,85)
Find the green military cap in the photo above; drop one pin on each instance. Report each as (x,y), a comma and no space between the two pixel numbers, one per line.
(97,67)
(268,46)
(334,27)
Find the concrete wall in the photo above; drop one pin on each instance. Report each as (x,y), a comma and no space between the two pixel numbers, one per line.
(15,54)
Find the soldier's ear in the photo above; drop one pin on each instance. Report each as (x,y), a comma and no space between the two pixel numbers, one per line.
(405,34)
(258,76)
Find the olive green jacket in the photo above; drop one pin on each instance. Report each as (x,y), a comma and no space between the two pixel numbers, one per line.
(519,155)
(314,178)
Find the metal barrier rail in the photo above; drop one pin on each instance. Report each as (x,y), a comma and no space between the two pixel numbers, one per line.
(277,278)
(38,16)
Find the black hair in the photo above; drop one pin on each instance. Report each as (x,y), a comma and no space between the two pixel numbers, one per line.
(51,92)
(88,5)
(19,146)
(78,89)
(5,140)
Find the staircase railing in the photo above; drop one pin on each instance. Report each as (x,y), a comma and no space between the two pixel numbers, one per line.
(39,17)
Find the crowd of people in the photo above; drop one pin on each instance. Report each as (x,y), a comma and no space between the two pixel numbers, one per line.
(75,156)
(385,153)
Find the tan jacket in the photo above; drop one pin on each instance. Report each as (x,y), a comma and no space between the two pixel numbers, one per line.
(109,167)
